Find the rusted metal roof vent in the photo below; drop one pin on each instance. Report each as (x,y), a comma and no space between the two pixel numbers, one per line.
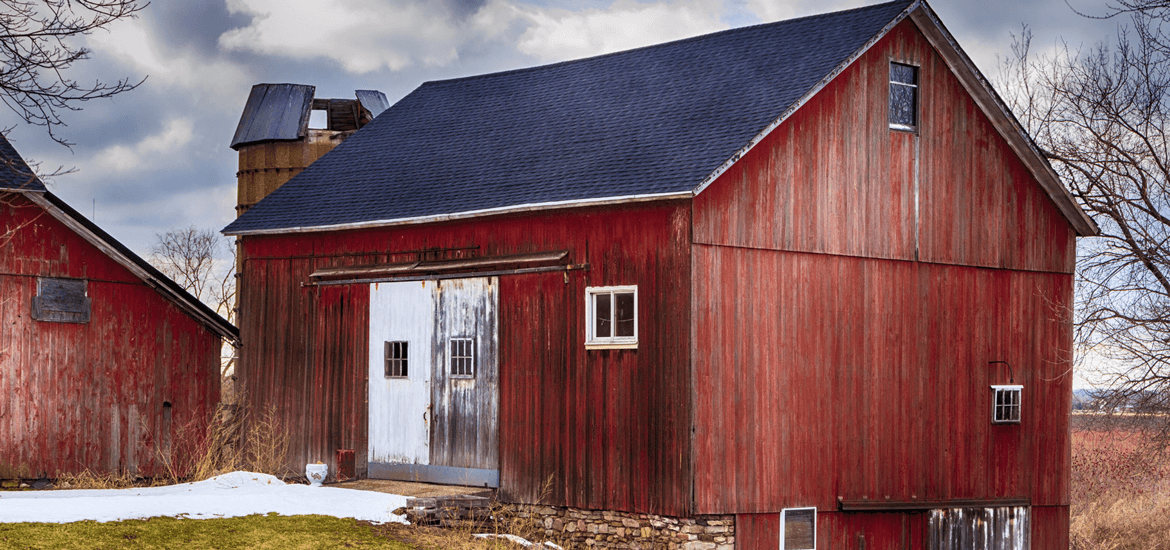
(276,140)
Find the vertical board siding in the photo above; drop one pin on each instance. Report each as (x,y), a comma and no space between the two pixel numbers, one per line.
(889,530)
(605,429)
(90,395)
(834,179)
(867,378)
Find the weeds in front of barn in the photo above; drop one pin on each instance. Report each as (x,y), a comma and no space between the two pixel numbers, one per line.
(233,438)
(1120,489)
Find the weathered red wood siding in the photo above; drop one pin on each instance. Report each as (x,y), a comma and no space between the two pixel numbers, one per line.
(895,530)
(842,342)
(592,429)
(834,179)
(90,396)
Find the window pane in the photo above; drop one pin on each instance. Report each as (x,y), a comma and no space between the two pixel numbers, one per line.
(903,73)
(625,313)
(902,104)
(799,532)
(604,314)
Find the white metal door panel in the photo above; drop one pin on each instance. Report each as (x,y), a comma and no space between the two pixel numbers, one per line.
(399,407)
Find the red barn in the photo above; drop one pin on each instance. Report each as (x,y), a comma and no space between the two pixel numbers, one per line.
(805,282)
(102,357)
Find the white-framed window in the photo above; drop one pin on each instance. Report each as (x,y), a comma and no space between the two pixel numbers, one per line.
(611,317)
(1005,404)
(462,354)
(396,358)
(903,96)
(798,529)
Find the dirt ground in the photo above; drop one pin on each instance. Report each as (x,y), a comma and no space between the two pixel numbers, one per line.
(411,488)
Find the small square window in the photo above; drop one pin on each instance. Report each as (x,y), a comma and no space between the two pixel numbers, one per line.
(903,96)
(611,317)
(397,360)
(798,529)
(1005,404)
(61,301)
(462,352)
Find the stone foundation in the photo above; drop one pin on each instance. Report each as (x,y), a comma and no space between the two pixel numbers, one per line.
(593,529)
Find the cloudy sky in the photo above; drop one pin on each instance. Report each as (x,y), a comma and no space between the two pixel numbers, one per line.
(157,157)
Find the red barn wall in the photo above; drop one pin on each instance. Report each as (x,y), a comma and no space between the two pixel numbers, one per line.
(606,429)
(842,340)
(90,396)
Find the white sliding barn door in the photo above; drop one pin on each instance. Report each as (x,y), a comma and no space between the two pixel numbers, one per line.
(440,421)
(400,418)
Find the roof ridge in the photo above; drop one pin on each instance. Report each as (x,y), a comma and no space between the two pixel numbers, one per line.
(662,44)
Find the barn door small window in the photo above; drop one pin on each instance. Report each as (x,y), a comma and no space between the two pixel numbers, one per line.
(798,529)
(1005,404)
(61,301)
(396,359)
(903,96)
(462,353)
(611,317)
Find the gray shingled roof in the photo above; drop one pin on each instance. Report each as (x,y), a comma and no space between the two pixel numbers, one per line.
(654,120)
(14,172)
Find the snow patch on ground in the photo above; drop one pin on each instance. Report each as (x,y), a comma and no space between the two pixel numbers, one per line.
(228,495)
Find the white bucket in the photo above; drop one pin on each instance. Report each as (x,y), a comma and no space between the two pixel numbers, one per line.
(316,473)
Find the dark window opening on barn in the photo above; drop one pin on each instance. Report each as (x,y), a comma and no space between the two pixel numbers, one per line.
(1005,404)
(903,96)
(61,301)
(462,357)
(798,529)
(396,359)
(611,317)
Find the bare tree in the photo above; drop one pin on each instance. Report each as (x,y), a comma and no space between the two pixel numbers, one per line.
(36,52)
(1102,120)
(204,263)
(201,261)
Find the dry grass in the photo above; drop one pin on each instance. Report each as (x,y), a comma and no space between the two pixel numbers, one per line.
(1120,490)
(234,438)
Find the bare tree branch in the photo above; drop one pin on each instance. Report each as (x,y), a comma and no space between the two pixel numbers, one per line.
(204,263)
(36,53)
(1103,118)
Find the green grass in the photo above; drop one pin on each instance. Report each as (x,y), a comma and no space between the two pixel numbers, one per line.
(255,531)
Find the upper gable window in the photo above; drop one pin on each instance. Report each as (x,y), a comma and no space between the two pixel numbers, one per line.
(61,301)
(903,96)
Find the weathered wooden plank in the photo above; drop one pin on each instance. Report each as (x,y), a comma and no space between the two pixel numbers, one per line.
(602,429)
(91,394)
(854,360)
(835,179)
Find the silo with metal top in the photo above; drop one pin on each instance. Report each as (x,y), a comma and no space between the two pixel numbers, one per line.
(275,138)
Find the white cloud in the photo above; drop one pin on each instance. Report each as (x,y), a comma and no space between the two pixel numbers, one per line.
(778,10)
(163,147)
(557,34)
(137,45)
(361,35)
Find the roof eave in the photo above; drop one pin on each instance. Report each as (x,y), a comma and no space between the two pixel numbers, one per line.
(982,92)
(98,239)
(820,85)
(517,209)
(1001,117)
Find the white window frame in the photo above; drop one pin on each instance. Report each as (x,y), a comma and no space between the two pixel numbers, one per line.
(783,519)
(592,341)
(470,358)
(995,390)
(917,95)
